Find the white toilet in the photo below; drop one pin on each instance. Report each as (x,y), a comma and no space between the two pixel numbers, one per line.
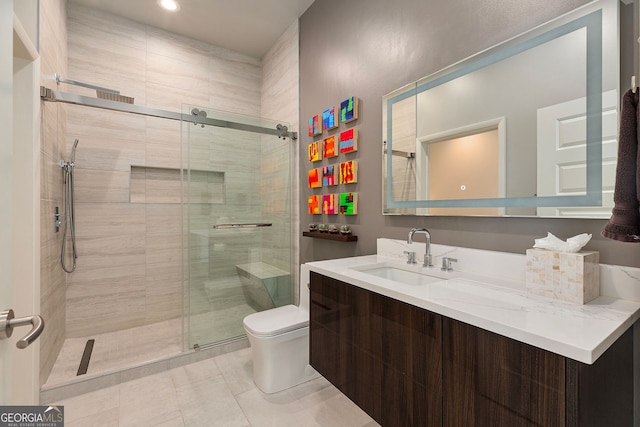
(279,340)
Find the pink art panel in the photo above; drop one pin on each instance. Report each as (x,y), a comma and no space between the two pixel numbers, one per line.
(348,141)
(329,204)
(329,175)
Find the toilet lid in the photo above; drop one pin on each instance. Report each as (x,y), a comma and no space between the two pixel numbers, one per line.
(276,320)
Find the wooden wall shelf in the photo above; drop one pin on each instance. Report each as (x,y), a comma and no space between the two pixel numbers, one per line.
(329,236)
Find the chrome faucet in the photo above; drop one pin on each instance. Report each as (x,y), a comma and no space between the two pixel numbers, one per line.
(446,263)
(427,254)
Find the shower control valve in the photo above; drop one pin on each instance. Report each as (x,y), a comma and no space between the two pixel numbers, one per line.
(57,222)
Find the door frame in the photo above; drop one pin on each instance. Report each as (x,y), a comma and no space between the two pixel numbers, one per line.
(20,200)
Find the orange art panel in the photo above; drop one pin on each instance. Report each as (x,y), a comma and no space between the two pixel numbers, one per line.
(314,153)
(313,203)
(329,147)
(314,178)
(349,172)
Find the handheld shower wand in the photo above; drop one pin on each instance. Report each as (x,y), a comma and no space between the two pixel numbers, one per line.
(69,222)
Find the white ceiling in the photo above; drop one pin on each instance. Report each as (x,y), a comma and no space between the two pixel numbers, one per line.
(246,26)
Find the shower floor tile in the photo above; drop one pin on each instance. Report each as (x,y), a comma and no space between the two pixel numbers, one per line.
(115,350)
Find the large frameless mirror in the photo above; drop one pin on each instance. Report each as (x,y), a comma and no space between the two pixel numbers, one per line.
(526,128)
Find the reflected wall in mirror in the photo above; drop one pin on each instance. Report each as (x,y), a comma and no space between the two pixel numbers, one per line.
(526,128)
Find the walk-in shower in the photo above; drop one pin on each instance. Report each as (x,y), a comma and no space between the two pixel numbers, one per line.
(183,225)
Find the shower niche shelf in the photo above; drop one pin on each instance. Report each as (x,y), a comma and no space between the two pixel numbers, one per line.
(329,236)
(164,185)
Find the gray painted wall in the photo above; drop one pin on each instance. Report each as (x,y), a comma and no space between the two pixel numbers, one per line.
(367,48)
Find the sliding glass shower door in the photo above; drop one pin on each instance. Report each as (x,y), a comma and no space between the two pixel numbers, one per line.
(237,221)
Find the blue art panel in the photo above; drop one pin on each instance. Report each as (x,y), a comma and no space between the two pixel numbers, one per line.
(329,119)
(349,110)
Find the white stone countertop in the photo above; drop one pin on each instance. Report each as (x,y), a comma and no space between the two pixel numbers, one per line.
(500,305)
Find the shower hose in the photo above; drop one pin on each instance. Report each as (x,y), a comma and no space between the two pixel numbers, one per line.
(69,217)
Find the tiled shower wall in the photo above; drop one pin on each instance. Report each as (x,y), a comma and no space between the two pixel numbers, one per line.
(129,240)
(280,102)
(53,54)
(130,266)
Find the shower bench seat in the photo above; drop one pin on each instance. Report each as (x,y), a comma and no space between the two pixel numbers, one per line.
(264,285)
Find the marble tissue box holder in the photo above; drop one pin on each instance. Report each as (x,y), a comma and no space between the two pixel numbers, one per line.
(566,276)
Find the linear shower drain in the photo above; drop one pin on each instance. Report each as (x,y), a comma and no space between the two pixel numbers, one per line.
(86,356)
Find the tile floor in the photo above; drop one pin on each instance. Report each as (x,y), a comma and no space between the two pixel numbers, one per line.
(214,392)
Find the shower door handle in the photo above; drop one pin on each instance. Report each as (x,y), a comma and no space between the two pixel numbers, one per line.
(8,322)
(247,225)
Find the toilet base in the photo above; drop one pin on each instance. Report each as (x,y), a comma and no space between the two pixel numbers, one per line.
(282,361)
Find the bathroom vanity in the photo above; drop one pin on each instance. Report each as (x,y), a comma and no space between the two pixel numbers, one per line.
(461,351)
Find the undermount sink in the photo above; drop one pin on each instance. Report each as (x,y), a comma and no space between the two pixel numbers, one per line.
(409,275)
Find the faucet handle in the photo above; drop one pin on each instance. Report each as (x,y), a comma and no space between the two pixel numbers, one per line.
(427,261)
(411,257)
(446,263)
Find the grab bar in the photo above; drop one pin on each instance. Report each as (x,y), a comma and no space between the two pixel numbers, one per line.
(247,225)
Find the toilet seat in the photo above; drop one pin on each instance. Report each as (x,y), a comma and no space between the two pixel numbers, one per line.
(276,321)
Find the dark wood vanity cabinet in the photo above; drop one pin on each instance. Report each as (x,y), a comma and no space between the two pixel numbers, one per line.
(499,381)
(406,366)
(385,355)
(491,380)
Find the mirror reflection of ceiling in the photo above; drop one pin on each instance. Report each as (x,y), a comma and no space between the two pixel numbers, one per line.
(551,96)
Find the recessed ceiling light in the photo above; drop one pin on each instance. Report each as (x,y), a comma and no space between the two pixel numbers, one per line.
(171,5)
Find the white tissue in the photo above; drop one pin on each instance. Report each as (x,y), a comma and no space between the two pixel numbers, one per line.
(573,244)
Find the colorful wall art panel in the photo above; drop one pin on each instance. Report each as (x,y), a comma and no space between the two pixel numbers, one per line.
(349,110)
(329,147)
(329,204)
(329,175)
(349,172)
(348,203)
(330,118)
(314,178)
(315,126)
(314,205)
(314,151)
(348,141)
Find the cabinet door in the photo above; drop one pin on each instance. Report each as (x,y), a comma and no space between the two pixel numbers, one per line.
(408,340)
(331,325)
(385,355)
(602,394)
(491,380)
